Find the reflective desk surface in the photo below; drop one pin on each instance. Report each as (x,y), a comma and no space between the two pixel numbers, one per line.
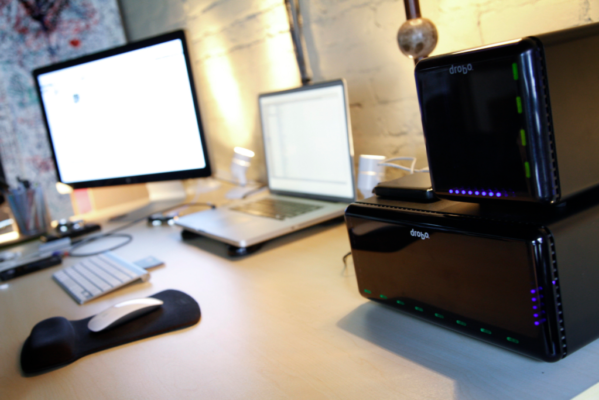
(285,323)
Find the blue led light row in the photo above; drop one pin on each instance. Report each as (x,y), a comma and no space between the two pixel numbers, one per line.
(537,298)
(481,192)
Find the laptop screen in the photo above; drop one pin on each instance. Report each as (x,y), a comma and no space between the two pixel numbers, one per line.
(307,140)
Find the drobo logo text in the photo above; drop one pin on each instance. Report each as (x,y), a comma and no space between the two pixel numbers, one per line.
(421,235)
(460,69)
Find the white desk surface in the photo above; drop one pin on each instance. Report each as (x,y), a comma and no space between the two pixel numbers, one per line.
(284,323)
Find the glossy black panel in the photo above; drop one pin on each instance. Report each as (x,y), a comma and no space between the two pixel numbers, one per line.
(473,125)
(482,122)
(485,283)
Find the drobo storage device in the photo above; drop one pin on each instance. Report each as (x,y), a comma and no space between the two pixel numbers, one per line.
(524,279)
(517,120)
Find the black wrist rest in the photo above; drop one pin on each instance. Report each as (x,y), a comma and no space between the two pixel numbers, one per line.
(56,342)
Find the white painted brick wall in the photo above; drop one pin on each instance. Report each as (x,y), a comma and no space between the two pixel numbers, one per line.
(242,48)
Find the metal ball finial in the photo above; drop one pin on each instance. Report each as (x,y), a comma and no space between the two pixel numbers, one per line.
(418,36)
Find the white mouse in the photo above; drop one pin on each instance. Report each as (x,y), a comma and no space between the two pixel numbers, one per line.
(123,312)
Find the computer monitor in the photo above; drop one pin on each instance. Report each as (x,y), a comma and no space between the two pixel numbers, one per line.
(125,115)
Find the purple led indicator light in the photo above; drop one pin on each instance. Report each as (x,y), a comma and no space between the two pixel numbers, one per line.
(463,192)
(477,193)
(534,299)
(532,291)
(498,194)
(450,190)
(553,282)
(536,315)
(491,194)
(536,322)
(484,193)
(534,307)
(470,192)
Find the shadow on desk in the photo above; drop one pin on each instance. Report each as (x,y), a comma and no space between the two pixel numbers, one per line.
(221,249)
(474,366)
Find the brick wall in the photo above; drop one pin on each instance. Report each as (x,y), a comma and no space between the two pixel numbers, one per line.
(242,48)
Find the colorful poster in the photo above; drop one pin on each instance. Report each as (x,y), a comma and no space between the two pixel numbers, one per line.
(36,33)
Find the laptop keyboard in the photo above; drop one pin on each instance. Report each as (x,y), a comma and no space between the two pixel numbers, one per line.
(277,209)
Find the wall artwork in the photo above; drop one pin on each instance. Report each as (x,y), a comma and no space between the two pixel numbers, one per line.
(33,34)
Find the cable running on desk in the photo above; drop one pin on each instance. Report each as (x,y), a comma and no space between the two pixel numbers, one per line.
(113,233)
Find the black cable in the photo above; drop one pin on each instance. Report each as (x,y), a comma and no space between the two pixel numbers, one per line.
(91,240)
(238,184)
(112,233)
(251,192)
(212,206)
(120,228)
(159,218)
(345,260)
(227,180)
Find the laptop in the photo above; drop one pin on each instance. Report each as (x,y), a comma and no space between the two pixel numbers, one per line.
(309,164)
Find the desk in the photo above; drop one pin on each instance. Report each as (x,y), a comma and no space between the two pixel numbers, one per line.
(284,323)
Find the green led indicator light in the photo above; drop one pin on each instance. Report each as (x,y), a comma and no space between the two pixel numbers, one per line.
(367,291)
(439,315)
(515,70)
(527,169)
(523,137)
(519,104)
(483,330)
(461,322)
(511,339)
(401,303)
(383,296)
(418,309)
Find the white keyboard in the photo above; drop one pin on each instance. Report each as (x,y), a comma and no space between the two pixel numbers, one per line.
(98,275)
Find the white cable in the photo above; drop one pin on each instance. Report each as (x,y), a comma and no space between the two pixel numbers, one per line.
(397,166)
(411,170)
(405,168)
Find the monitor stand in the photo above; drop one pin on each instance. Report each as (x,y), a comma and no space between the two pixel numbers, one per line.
(163,196)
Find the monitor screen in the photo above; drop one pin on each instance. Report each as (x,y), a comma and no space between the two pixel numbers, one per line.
(126,115)
(307,141)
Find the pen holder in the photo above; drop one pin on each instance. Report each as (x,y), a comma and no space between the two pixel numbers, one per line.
(29,210)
